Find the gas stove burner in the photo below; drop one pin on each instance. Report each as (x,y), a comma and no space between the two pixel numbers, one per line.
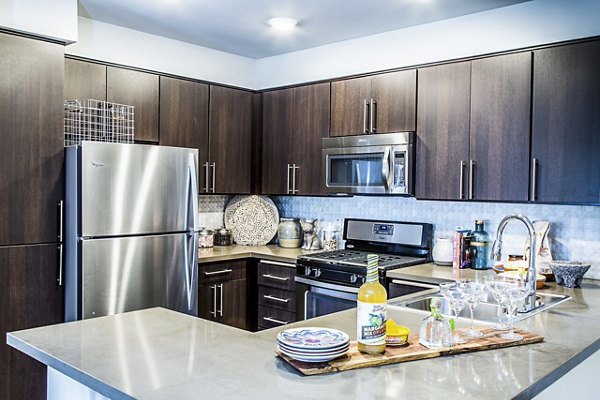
(359,259)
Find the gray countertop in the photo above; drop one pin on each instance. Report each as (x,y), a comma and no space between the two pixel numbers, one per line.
(162,354)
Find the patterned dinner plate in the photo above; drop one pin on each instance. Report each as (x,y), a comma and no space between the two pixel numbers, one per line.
(313,358)
(312,338)
(253,220)
(313,352)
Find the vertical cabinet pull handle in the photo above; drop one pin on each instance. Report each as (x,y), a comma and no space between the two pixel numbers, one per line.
(471,178)
(294,168)
(534,167)
(214,307)
(365,116)
(288,179)
(221,300)
(61,216)
(206,188)
(214,174)
(372,116)
(60,265)
(461,188)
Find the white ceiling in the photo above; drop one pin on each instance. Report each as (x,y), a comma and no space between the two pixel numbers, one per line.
(240,26)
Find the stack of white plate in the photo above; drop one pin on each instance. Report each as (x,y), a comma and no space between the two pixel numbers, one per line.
(313,344)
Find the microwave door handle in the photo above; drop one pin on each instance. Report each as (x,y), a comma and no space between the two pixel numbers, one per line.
(385,168)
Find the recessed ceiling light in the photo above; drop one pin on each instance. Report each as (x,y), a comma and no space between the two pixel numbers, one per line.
(283,24)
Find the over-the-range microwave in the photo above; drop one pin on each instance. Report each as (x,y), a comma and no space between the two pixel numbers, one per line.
(371,164)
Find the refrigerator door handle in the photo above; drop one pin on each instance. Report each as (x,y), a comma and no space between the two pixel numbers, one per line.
(190,271)
(193,193)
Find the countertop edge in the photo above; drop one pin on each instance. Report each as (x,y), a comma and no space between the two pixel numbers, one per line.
(547,380)
(51,362)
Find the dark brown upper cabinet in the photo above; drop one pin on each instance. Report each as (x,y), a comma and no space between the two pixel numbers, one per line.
(138,89)
(295,121)
(184,114)
(566,124)
(230,130)
(84,80)
(443,131)
(500,128)
(32,137)
(381,103)
(473,129)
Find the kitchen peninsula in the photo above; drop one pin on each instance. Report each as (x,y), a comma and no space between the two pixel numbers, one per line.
(161,354)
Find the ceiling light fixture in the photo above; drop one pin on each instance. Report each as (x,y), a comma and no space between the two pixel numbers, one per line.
(282,24)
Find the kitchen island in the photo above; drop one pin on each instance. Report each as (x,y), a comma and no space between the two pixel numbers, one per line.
(161,354)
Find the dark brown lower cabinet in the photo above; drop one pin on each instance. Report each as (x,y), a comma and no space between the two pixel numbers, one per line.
(276,294)
(223,293)
(30,297)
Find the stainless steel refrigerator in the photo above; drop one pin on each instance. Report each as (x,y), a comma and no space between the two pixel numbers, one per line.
(131,229)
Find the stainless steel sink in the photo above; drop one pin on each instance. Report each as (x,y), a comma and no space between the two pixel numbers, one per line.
(486,311)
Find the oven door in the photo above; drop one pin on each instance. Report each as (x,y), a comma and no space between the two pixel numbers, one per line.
(315,298)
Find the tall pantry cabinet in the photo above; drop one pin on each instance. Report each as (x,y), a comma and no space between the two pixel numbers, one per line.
(31,182)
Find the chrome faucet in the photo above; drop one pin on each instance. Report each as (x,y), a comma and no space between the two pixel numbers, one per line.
(530,278)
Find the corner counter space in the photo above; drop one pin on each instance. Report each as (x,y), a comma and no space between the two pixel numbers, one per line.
(161,354)
(268,252)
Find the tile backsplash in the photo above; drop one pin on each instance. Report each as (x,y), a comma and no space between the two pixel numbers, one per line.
(574,232)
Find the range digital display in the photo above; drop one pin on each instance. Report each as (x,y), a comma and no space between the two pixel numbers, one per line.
(383,229)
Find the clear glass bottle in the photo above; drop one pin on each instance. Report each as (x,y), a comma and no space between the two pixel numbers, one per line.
(480,247)
(371,312)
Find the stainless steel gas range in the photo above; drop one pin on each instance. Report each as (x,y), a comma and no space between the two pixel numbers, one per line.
(328,282)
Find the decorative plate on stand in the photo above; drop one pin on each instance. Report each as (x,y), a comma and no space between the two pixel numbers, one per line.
(253,220)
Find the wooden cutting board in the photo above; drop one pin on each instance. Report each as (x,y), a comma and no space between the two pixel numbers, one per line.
(414,351)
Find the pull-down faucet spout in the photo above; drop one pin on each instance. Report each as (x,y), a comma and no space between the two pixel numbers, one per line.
(531,276)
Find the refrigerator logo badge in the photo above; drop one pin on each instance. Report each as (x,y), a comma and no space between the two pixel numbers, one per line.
(97,164)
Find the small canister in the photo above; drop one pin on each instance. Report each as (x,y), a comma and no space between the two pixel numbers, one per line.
(223,237)
(205,238)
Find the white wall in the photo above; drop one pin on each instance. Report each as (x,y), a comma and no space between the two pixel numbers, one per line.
(111,43)
(525,24)
(54,19)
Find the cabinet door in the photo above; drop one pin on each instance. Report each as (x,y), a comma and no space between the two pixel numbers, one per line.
(395,94)
(138,89)
(277,149)
(566,123)
(234,303)
(443,130)
(311,125)
(32,137)
(84,80)
(230,130)
(30,297)
(500,120)
(225,302)
(348,111)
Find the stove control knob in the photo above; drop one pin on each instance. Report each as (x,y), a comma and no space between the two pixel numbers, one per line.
(353,278)
(362,280)
(317,272)
(307,271)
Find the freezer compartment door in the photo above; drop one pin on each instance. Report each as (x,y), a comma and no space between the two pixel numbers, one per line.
(126,274)
(130,189)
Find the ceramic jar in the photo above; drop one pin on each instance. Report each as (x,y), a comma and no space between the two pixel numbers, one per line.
(442,251)
(289,232)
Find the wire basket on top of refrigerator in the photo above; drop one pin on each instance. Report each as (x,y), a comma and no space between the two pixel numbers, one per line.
(98,121)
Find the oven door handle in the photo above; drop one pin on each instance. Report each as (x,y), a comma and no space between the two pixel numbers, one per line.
(330,286)
(415,284)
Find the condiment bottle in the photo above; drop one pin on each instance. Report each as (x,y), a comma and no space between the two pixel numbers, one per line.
(371,312)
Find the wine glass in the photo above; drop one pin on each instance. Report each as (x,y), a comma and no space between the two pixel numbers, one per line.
(472,292)
(495,285)
(513,296)
(457,304)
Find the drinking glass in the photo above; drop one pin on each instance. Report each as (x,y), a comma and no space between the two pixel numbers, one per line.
(457,304)
(472,292)
(513,296)
(495,285)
